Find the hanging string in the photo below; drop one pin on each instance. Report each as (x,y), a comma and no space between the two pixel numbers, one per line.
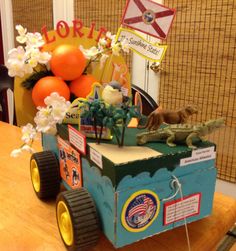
(176,184)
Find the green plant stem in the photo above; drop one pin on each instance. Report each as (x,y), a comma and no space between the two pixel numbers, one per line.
(100,134)
(95,128)
(123,132)
(118,140)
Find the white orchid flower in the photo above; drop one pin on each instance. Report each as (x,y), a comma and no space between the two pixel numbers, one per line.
(103,42)
(110,36)
(43,123)
(17,54)
(34,40)
(27,148)
(54,98)
(44,57)
(125,45)
(103,60)
(58,106)
(90,53)
(58,112)
(115,49)
(35,56)
(15,68)
(27,69)
(16,61)
(22,34)
(28,133)
(15,153)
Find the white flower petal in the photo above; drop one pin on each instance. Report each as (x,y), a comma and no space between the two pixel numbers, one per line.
(15,153)
(27,148)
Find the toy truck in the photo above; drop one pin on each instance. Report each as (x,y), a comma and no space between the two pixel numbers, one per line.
(129,192)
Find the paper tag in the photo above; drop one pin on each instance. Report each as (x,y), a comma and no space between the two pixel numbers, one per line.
(204,151)
(77,139)
(70,164)
(199,156)
(96,157)
(152,52)
(182,208)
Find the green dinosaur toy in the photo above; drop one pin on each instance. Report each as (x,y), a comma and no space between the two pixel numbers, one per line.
(180,133)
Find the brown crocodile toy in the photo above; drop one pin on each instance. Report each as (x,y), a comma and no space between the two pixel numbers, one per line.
(159,116)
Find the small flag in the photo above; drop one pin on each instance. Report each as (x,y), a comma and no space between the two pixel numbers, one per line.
(142,208)
(149,17)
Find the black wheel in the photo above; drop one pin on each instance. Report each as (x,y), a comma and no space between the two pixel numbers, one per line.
(45,174)
(77,219)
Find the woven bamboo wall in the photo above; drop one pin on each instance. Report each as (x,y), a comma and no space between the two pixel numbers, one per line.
(199,68)
(33,14)
(105,13)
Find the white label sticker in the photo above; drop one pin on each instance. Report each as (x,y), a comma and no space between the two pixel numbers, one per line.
(96,157)
(182,208)
(152,52)
(204,151)
(199,156)
(77,139)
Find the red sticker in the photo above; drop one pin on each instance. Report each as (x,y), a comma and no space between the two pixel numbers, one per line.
(77,139)
(70,164)
(182,208)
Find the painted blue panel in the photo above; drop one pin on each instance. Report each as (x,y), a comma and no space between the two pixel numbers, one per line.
(202,181)
(49,142)
(162,174)
(102,191)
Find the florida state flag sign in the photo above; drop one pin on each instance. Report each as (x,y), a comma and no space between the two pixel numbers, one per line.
(149,17)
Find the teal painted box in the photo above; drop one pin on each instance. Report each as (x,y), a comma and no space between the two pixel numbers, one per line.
(140,191)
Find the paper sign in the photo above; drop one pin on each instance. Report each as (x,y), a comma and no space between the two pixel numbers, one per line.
(182,208)
(199,156)
(149,17)
(70,165)
(150,51)
(77,139)
(96,157)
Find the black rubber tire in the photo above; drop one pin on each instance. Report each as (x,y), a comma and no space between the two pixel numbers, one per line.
(49,172)
(84,218)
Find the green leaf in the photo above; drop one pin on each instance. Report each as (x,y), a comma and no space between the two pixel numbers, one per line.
(30,82)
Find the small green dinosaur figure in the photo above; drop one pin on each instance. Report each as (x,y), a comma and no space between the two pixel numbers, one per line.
(180,133)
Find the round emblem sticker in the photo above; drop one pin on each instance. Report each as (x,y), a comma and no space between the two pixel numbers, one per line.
(140,210)
(148,17)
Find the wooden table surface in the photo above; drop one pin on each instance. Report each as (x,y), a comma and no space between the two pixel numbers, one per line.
(26,223)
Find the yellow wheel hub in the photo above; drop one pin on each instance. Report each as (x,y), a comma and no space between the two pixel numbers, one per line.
(35,177)
(65,223)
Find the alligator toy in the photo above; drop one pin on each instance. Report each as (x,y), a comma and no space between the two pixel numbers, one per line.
(180,133)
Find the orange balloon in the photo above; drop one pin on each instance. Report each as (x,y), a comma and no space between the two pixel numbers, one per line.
(67,62)
(82,86)
(45,86)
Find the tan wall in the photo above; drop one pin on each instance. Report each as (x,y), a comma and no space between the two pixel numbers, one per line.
(199,67)
(105,13)
(33,14)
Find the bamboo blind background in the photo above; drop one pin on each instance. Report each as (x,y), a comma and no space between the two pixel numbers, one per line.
(105,13)
(199,68)
(33,14)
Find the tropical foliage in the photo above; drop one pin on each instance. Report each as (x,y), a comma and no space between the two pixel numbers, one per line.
(116,118)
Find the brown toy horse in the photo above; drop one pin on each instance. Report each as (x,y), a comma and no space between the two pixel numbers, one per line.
(159,116)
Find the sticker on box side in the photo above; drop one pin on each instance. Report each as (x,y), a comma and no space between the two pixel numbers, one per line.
(96,157)
(198,157)
(182,208)
(140,210)
(203,151)
(77,139)
(70,164)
